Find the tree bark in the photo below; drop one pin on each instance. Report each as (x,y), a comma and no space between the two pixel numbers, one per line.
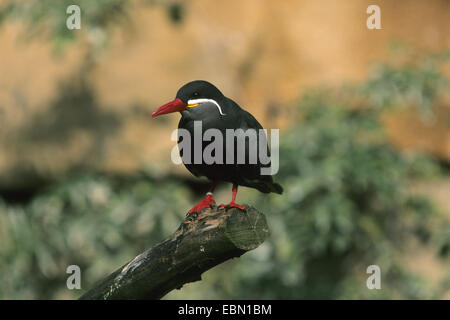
(200,243)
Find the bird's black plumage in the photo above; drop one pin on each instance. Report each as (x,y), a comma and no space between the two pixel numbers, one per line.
(216,111)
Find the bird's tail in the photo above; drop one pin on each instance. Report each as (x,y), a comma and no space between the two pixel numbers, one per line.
(265,184)
(269,186)
(275,187)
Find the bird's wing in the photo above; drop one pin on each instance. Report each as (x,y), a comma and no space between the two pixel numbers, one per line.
(251,174)
(248,121)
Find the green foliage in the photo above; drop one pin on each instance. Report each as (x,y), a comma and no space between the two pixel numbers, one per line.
(97,223)
(413,84)
(48,17)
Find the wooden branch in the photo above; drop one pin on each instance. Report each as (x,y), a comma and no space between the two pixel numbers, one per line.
(200,243)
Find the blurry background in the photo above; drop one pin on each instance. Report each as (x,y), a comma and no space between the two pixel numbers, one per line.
(86,176)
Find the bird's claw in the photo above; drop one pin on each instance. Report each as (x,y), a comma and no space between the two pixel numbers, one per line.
(208,202)
(233,205)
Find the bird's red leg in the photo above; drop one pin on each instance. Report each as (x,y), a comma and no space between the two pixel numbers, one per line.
(205,203)
(233,204)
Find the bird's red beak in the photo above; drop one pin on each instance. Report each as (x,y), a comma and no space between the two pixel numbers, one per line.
(172,106)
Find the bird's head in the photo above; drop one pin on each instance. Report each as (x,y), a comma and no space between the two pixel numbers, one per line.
(192,95)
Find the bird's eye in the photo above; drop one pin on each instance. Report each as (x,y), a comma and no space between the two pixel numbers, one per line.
(195,94)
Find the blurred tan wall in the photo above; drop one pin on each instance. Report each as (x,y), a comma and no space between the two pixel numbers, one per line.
(262,53)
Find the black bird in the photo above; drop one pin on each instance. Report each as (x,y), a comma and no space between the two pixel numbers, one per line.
(200,102)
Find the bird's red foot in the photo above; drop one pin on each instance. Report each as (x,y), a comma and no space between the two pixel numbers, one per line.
(232,204)
(205,203)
